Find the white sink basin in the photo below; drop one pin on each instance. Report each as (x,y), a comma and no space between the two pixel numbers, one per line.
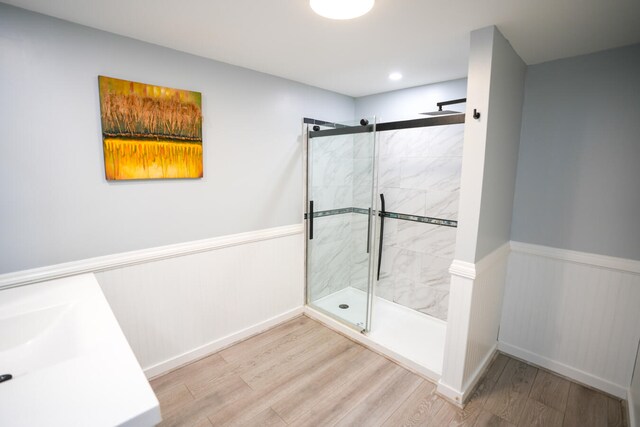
(70,362)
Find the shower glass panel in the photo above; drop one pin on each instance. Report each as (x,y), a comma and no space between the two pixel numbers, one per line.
(340,220)
(419,176)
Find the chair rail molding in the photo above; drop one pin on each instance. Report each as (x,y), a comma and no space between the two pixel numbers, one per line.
(124,259)
(576,257)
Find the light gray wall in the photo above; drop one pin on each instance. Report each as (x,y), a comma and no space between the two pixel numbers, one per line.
(495,89)
(504,120)
(405,104)
(578,184)
(56,205)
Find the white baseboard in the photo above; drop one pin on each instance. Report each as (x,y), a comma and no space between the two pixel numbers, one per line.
(219,344)
(460,397)
(109,262)
(450,393)
(474,305)
(479,372)
(561,302)
(565,370)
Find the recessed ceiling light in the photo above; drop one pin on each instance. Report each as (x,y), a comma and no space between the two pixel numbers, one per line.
(341,9)
(395,76)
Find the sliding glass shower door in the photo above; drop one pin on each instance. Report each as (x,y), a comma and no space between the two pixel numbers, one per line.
(340,219)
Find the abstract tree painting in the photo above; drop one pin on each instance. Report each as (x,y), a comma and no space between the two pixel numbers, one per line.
(150,132)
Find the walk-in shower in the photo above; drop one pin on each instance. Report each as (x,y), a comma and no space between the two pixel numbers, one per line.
(381,218)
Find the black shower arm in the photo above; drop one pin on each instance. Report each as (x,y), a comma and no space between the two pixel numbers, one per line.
(452,102)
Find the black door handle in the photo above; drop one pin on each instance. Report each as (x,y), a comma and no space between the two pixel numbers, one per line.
(310,219)
(369,231)
(382,214)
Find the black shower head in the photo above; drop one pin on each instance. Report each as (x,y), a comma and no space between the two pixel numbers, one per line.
(441,112)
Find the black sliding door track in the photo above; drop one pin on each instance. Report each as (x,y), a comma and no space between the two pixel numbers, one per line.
(452,119)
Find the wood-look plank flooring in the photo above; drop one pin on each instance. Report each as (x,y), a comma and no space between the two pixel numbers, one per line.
(301,373)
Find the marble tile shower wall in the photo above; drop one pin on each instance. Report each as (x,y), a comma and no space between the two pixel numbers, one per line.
(331,173)
(419,175)
(329,265)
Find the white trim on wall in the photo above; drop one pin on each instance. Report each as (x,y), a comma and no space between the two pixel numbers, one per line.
(176,310)
(497,255)
(479,372)
(469,270)
(574,313)
(466,270)
(178,303)
(593,260)
(457,396)
(565,370)
(219,344)
(125,259)
(473,322)
(582,279)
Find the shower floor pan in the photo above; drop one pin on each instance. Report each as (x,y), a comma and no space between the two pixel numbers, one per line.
(408,333)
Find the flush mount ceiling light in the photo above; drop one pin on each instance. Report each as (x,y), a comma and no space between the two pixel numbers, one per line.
(341,9)
(395,76)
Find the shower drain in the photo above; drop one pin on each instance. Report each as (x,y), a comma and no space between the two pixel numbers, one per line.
(344,306)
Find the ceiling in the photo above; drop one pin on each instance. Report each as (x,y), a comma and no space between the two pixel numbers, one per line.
(426,40)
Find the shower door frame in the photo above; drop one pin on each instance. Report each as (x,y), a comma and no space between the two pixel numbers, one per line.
(307,124)
(374,253)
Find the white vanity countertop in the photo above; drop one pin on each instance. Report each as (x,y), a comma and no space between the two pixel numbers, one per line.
(70,361)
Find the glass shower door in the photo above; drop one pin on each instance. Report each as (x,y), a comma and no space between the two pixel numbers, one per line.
(340,222)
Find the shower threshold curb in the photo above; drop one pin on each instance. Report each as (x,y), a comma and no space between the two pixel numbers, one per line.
(372,345)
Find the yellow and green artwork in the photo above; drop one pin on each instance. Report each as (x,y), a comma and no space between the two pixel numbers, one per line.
(150,132)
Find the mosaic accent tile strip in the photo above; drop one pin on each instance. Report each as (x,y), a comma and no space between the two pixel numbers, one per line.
(393,215)
(320,214)
(330,212)
(423,219)
(360,211)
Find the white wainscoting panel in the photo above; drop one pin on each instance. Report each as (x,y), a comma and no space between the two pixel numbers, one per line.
(484,319)
(474,320)
(178,309)
(456,342)
(576,314)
